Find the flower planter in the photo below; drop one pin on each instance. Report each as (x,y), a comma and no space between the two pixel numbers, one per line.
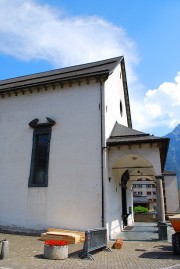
(55,252)
(145,217)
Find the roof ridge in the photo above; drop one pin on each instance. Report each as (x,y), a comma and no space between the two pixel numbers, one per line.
(67,69)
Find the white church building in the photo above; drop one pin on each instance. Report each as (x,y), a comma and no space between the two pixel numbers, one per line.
(69,155)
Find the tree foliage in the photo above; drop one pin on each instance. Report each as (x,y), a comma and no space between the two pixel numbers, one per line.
(140,209)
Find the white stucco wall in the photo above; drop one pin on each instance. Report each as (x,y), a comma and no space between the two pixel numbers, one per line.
(150,155)
(171,193)
(72,199)
(114,92)
(113,207)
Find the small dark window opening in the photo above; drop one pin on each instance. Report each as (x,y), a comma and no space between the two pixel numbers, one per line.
(121,108)
(40,153)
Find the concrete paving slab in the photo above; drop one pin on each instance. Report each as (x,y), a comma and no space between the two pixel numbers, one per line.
(26,252)
(140,232)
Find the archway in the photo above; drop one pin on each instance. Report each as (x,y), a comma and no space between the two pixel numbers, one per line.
(141,155)
(126,170)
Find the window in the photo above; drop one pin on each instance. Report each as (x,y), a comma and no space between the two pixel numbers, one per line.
(40,159)
(154,193)
(121,108)
(148,192)
(140,192)
(40,153)
(137,186)
(148,185)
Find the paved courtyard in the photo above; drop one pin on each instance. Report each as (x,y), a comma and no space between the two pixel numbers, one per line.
(26,252)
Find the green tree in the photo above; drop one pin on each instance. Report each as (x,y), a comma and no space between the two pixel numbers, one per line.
(140,209)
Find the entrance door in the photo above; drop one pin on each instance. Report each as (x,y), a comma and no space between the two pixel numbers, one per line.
(124,180)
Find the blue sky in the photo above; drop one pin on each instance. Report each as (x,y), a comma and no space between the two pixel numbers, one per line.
(39,35)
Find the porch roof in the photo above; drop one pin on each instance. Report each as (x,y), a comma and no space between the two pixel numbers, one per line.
(122,135)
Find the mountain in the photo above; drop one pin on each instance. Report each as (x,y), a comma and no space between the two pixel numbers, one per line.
(173,156)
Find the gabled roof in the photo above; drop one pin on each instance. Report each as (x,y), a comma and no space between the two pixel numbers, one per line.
(94,69)
(120,131)
(122,135)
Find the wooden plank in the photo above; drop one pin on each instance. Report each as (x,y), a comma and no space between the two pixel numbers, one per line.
(82,234)
(70,239)
(62,233)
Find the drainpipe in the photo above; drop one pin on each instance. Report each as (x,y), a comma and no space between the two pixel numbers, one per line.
(102,145)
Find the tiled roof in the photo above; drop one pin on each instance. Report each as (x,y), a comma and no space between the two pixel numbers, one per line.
(96,70)
(99,68)
(120,130)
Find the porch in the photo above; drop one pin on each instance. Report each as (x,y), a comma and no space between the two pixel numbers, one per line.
(144,231)
(133,156)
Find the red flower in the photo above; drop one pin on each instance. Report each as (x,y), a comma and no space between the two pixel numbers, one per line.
(56,243)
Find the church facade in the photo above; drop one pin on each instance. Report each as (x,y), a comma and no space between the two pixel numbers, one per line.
(69,154)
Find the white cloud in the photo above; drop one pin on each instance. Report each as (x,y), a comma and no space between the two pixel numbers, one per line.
(177,78)
(159,109)
(29,31)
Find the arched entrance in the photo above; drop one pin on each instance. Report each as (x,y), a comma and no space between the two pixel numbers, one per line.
(141,155)
(127,170)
